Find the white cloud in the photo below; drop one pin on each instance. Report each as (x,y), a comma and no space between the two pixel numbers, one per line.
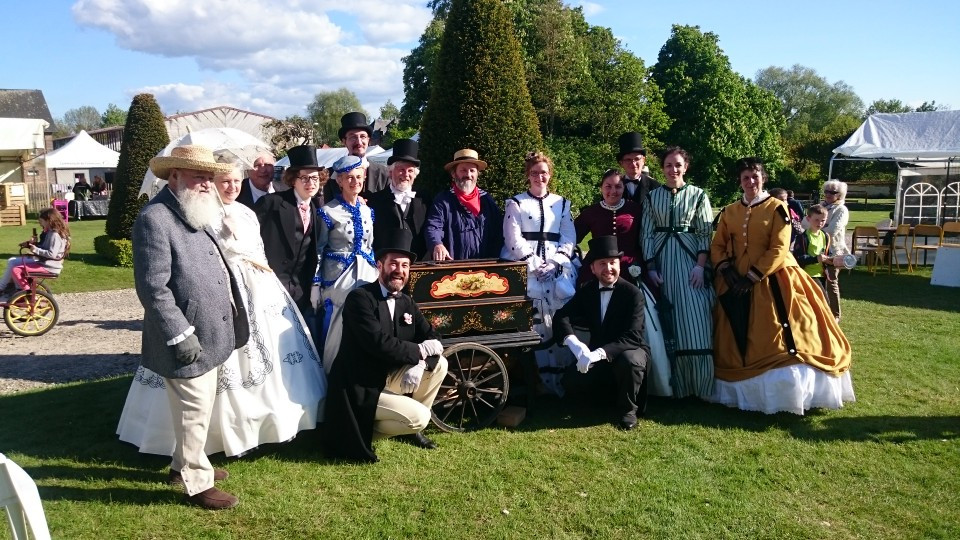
(589,8)
(284,50)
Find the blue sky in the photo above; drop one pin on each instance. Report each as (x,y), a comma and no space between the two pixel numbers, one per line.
(272,56)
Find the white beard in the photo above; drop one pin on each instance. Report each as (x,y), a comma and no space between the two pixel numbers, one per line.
(199,209)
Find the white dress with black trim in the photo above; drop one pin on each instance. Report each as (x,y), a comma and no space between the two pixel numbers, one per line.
(538,230)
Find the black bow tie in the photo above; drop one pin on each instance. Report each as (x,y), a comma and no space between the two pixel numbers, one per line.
(606,289)
(391,295)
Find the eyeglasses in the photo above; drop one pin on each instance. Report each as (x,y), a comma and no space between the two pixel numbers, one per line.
(831,192)
(313,178)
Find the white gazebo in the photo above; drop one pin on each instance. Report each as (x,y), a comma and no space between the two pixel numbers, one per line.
(81,154)
(926,148)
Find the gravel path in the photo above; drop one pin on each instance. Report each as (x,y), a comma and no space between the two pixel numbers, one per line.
(98,335)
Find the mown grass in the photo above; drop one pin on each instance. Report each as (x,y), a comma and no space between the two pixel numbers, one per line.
(883,467)
(84,270)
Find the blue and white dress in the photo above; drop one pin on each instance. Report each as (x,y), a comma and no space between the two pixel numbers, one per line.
(268,390)
(345,250)
(538,230)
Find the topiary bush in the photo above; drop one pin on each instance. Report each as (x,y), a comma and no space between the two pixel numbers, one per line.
(144,136)
(479,100)
(118,251)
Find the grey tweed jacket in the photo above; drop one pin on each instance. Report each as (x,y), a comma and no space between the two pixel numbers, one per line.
(181,280)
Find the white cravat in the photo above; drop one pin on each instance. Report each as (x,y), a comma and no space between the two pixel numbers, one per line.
(605,301)
(402,198)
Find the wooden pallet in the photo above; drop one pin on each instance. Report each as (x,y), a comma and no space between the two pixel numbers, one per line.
(15,216)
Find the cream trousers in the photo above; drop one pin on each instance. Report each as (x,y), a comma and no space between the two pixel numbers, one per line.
(191,405)
(398,414)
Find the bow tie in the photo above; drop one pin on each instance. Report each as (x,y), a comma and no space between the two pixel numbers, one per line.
(391,294)
(606,289)
(403,197)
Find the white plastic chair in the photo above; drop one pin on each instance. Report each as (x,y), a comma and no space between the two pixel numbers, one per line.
(20,498)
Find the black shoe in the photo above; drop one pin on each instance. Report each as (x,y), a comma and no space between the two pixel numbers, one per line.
(419,440)
(628,422)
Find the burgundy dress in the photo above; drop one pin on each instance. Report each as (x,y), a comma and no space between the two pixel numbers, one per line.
(624,223)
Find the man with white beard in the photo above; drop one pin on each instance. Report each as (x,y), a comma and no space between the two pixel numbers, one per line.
(193,314)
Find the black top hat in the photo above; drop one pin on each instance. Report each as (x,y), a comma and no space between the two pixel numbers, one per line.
(630,141)
(303,157)
(602,247)
(353,120)
(405,150)
(396,241)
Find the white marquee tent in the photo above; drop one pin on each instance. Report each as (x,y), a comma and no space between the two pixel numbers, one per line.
(82,152)
(925,145)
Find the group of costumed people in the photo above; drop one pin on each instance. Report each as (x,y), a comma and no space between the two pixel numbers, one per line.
(727,316)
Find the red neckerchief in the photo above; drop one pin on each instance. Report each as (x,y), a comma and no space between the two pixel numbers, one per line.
(470,202)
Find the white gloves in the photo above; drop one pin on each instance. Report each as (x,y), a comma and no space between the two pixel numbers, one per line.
(411,378)
(696,276)
(315,296)
(584,361)
(576,346)
(584,355)
(228,227)
(430,347)
(546,271)
(655,277)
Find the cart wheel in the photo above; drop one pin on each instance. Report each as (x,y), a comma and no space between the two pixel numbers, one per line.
(474,390)
(31,313)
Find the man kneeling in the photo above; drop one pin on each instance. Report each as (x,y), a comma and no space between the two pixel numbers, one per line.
(388,350)
(611,309)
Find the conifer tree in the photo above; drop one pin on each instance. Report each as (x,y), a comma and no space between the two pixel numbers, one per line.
(144,136)
(479,99)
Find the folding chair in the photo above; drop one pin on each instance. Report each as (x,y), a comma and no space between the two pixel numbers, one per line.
(951,234)
(926,232)
(900,238)
(866,242)
(20,498)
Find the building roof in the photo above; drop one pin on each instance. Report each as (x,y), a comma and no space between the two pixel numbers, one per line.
(25,104)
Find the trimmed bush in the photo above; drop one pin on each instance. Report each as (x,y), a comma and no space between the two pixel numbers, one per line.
(479,100)
(144,136)
(118,251)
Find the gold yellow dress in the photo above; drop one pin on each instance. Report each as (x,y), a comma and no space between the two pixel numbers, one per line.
(796,356)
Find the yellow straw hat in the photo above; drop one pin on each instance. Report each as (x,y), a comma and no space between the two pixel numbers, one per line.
(192,157)
(466,156)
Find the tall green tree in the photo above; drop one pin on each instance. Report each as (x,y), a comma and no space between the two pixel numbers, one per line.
(888,106)
(389,111)
(478,101)
(718,115)
(418,73)
(83,118)
(113,116)
(144,136)
(325,111)
(810,102)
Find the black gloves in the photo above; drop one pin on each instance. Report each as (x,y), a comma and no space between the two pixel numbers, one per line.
(188,351)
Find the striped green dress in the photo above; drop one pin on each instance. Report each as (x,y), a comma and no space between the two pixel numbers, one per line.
(677,226)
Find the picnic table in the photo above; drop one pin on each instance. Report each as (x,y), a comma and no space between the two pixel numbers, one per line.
(94,207)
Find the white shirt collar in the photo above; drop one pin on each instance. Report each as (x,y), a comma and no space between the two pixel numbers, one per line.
(762,196)
(300,200)
(256,192)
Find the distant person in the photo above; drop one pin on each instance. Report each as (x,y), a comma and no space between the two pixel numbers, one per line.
(81,190)
(633,158)
(812,245)
(834,200)
(795,218)
(47,254)
(465,222)
(99,187)
(794,204)
(355,133)
(260,182)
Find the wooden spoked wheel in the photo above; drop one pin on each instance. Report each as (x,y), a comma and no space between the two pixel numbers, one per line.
(474,390)
(31,313)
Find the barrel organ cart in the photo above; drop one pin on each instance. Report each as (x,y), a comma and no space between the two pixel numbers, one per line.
(478,307)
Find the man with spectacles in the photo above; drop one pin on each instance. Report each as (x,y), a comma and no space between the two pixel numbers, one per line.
(633,157)
(355,135)
(289,229)
(260,182)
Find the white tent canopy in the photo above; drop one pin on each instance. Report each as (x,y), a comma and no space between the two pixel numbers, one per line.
(906,137)
(19,134)
(327,156)
(925,146)
(82,152)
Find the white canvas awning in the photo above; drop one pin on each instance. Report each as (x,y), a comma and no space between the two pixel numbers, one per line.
(905,137)
(82,152)
(327,156)
(18,135)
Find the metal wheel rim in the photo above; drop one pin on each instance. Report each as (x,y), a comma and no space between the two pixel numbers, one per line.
(474,391)
(31,313)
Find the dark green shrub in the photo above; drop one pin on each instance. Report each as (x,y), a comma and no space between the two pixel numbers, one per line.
(118,251)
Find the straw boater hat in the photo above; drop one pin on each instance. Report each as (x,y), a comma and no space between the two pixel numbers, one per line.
(466,156)
(192,157)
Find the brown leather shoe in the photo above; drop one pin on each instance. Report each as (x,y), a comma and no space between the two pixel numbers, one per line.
(174,478)
(213,499)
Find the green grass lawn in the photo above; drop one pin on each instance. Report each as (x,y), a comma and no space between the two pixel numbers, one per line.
(84,270)
(883,467)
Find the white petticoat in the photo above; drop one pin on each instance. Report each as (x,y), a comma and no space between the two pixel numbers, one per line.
(795,389)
